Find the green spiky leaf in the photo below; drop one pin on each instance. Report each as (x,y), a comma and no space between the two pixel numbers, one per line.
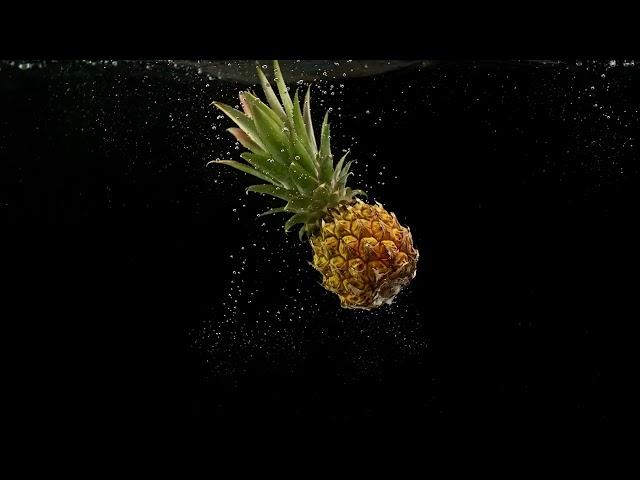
(273,137)
(282,89)
(344,174)
(301,179)
(274,191)
(325,158)
(356,193)
(321,192)
(271,211)
(265,164)
(299,205)
(255,103)
(244,140)
(243,121)
(272,99)
(300,127)
(309,124)
(295,219)
(243,168)
(301,156)
(325,137)
(338,169)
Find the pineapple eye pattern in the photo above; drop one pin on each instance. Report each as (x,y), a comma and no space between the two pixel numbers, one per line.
(378,268)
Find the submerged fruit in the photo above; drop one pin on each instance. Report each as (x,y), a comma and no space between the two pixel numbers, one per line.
(365,256)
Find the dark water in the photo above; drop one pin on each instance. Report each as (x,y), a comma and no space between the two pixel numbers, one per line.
(144,290)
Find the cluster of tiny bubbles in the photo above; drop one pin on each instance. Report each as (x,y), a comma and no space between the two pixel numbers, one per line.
(602,123)
(591,100)
(23,65)
(274,308)
(373,170)
(141,101)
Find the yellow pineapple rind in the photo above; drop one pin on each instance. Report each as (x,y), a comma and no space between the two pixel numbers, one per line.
(364,254)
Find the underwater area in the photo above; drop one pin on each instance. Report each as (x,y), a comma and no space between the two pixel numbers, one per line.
(162,298)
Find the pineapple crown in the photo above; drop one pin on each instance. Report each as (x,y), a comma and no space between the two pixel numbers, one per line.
(283,153)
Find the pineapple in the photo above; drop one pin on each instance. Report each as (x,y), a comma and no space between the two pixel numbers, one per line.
(364,254)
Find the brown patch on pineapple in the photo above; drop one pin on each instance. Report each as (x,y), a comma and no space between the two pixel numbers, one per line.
(338,265)
(348,246)
(356,267)
(331,246)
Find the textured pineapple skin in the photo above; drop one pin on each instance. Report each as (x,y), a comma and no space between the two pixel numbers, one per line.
(364,255)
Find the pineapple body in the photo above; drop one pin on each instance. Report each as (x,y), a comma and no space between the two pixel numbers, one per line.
(364,255)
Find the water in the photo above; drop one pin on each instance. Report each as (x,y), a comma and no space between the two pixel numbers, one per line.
(517,179)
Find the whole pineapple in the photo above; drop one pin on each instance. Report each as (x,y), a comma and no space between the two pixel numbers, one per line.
(363,253)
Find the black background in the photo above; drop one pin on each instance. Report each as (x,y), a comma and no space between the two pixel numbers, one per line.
(522,198)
